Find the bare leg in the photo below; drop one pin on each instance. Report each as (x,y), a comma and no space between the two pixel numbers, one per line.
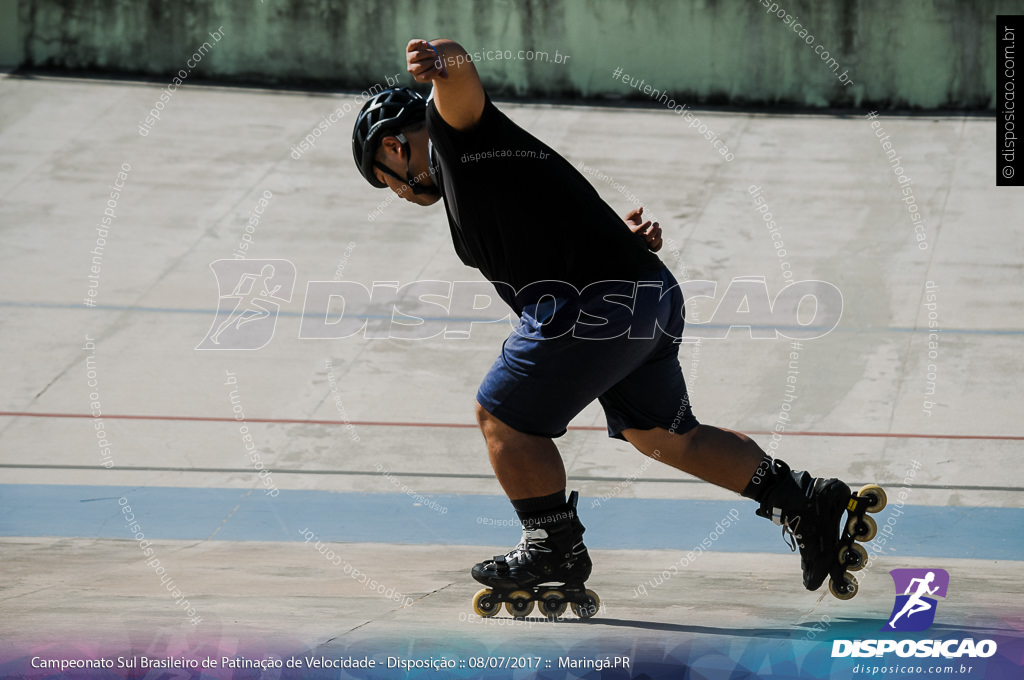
(723,457)
(527,466)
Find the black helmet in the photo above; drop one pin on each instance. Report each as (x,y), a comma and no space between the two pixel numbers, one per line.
(386,113)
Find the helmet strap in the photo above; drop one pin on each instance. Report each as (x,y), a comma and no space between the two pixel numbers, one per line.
(416,186)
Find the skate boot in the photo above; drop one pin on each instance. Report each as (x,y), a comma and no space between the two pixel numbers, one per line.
(810,511)
(548,567)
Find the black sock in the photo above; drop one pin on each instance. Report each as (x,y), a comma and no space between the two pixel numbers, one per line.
(532,509)
(758,484)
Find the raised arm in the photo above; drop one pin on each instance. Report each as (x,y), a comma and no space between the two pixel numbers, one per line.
(458,92)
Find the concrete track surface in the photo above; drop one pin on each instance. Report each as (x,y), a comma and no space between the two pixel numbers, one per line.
(311,503)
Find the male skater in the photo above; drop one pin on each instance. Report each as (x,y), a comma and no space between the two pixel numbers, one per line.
(534,226)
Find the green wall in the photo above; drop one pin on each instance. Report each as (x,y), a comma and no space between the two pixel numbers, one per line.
(896,53)
(10,39)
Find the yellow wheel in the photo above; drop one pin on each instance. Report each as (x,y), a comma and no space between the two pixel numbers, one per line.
(853,558)
(553,604)
(519,604)
(845,591)
(588,608)
(862,528)
(875,495)
(485,604)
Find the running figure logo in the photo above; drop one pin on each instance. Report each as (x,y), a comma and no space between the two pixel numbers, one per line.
(251,293)
(914,611)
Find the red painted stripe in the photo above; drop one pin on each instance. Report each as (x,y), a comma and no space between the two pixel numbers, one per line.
(382,423)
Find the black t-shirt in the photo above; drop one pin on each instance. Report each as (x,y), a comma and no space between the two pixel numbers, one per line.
(520,213)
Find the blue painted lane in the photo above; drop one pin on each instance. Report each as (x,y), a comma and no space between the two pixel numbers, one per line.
(190,513)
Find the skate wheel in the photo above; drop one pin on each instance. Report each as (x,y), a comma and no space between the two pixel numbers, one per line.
(519,604)
(854,557)
(589,608)
(485,603)
(553,604)
(844,591)
(875,495)
(862,528)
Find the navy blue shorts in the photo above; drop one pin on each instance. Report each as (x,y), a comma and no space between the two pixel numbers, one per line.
(541,382)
